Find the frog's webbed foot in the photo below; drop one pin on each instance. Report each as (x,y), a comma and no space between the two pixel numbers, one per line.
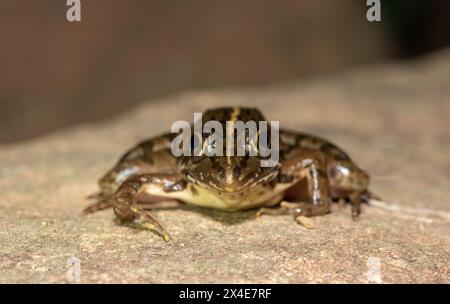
(272,211)
(355,201)
(357,198)
(125,202)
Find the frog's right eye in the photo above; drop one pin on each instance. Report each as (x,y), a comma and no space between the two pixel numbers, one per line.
(195,143)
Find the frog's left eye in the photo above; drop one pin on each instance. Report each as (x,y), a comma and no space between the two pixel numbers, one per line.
(209,147)
(265,136)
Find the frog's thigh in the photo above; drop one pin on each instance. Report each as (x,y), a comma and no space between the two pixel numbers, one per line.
(351,184)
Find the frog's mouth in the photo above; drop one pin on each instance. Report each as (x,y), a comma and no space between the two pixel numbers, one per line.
(234,188)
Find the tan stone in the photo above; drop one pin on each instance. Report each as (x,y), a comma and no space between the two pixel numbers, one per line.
(393,120)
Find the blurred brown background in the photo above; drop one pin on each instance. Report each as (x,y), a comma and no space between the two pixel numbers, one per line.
(55,73)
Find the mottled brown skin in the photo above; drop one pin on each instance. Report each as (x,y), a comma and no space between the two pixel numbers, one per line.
(312,172)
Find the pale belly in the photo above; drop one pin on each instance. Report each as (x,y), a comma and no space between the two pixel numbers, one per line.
(199,196)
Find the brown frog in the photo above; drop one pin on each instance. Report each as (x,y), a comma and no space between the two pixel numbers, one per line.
(310,175)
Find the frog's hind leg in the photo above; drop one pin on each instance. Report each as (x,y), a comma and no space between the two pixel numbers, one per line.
(95,196)
(104,200)
(368,195)
(356,197)
(102,204)
(355,201)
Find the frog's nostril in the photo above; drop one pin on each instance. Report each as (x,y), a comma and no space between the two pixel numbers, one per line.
(237,172)
(221,173)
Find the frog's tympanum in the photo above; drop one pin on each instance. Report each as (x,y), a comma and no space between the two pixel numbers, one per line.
(310,175)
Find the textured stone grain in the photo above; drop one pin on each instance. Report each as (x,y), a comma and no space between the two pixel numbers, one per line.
(393,120)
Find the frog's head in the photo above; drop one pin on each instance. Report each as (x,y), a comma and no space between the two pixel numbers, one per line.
(229,174)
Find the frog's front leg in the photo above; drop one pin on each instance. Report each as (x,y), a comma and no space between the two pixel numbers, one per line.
(110,182)
(312,168)
(125,199)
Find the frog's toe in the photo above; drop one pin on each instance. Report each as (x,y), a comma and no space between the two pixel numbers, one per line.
(138,218)
(355,201)
(98,206)
(152,224)
(272,211)
(128,211)
(96,195)
(356,211)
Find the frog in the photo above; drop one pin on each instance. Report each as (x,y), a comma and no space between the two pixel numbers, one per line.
(310,175)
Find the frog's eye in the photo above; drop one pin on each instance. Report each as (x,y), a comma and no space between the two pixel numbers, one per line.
(195,143)
(265,138)
(209,147)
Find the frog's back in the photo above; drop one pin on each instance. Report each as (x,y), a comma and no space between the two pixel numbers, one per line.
(294,142)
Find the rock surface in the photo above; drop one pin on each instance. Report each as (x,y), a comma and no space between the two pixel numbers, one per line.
(393,120)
